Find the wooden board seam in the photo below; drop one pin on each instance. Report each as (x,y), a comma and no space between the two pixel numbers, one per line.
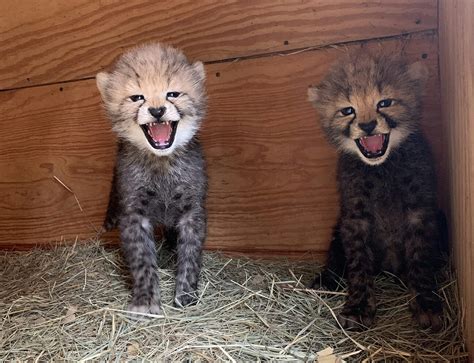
(407,35)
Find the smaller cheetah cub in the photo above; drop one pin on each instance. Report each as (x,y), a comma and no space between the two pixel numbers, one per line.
(370,109)
(155,99)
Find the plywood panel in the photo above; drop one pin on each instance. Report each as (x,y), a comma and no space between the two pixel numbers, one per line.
(457,78)
(272,174)
(45,41)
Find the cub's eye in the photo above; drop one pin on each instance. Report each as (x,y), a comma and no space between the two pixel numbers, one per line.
(384,103)
(136,98)
(347,111)
(172,94)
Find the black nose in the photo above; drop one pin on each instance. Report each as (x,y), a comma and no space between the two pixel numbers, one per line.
(157,112)
(368,127)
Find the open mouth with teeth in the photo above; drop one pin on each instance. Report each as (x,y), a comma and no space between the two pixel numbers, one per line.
(373,146)
(160,135)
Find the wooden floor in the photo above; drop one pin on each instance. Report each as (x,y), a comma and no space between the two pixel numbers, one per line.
(272,174)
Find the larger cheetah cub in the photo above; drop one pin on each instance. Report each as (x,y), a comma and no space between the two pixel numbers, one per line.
(155,99)
(370,110)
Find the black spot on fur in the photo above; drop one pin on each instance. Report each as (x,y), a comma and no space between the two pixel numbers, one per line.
(360,206)
(419,232)
(368,184)
(407,179)
(187,208)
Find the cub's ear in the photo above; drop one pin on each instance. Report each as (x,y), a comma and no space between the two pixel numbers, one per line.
(199,69)
(102,80)
(313,94)
(418,71)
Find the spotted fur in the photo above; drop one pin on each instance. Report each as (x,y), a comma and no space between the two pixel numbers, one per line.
(164,186)
(388,208)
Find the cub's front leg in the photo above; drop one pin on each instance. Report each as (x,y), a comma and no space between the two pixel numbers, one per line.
(191,229)
(420,248)
(360,306)
(139,250)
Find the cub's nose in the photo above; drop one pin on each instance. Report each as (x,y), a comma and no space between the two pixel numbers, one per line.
(368,127)
(157,112)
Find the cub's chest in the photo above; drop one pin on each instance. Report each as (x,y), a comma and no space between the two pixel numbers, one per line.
(384,200)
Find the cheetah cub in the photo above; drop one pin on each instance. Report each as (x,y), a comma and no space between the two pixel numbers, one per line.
(370,109)
(155,99)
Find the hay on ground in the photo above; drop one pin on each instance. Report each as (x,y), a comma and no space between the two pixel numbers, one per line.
(68,303)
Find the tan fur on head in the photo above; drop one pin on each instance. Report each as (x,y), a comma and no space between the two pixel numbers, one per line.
(152,71)
(313,94)
(418,71)
(361,81)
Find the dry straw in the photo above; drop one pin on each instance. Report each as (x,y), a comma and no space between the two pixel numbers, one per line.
(67,304)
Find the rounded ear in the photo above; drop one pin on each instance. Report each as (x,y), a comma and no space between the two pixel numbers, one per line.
(313,94)
(418,71)
(102,80)
(199,69)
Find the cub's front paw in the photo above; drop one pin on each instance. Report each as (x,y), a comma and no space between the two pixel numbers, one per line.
(185,299)
(429,319)
(141,312)
(428,312)
(356,317)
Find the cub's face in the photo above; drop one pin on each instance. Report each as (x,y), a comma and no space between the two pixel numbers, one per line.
(369,105)
(155,97)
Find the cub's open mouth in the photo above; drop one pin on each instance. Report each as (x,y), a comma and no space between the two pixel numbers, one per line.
(160,135)
(373,146)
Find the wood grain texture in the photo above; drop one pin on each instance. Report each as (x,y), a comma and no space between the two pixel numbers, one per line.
(272,174)
(457,76)
(44,41)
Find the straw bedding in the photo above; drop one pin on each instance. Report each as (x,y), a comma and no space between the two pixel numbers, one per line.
(67,303)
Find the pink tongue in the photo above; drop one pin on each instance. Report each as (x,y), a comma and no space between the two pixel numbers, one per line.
(373,143)
(160,132)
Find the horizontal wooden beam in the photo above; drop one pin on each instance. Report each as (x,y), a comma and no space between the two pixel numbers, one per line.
(45,41)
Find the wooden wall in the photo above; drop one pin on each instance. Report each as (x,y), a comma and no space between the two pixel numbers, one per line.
(272,175)
(456,46)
